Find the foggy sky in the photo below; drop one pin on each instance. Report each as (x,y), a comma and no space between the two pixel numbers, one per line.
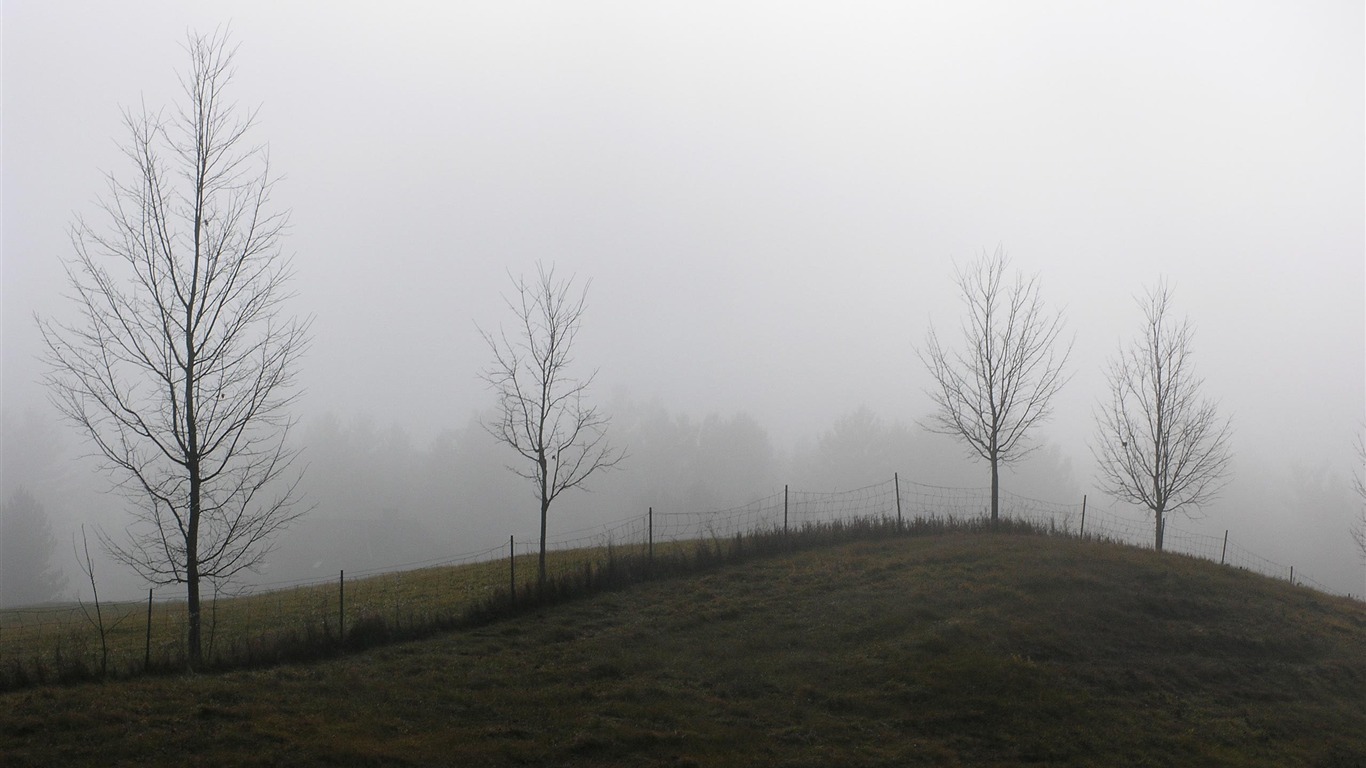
(769,199)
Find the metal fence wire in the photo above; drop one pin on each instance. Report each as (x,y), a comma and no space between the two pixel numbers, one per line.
(251,624)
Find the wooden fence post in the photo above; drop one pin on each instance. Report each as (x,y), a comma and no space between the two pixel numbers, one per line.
(1224,551)
(651,524)
(896,480)
(512,567)
(784,510)
(1082,535)
(341,605)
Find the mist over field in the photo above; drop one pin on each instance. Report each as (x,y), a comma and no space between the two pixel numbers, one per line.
(768,205)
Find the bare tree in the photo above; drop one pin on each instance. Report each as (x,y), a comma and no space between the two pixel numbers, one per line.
(1158,443)
(994,393)
(181,367)
(28,571)
(87,565)
(1359,486)
(541,411)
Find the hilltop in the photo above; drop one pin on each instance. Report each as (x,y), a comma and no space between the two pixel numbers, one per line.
(958,649)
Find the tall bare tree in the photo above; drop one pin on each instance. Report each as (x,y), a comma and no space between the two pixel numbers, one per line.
(1158,443)
(1000,385)
(542,413)
(181,367)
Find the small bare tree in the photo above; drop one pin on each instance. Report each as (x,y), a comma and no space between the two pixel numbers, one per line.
(87,566)
(994,393)
(1158,443)
(1359,485)
(180,369)
(541,410)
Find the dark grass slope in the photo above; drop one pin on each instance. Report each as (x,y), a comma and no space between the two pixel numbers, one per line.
(960,649)
(310,622)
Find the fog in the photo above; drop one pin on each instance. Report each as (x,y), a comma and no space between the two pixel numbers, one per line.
(768,203)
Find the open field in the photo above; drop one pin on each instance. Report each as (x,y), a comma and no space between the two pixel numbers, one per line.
(62,643)
(959,649)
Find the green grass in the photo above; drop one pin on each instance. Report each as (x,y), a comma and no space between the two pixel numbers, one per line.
(956,649)
(60,644)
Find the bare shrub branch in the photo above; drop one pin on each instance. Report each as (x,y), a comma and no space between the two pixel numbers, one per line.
(87,566)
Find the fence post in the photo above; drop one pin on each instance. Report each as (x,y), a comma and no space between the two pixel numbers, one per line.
(341,605)
(896,480)
(147,649)
(512,567)
(784,510)
(651,518)
(1292,575)
(1082,535)
(1224,551)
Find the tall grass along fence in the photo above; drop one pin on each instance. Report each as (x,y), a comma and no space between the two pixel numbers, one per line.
(353,609)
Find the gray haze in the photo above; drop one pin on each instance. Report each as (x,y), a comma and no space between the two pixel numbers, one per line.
(769,200)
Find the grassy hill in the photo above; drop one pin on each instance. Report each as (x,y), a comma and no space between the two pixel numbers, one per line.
(960,649)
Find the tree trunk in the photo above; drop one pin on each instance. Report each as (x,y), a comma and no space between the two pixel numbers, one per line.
(192,454)
(192,638)
(540,574)
(1159,532)
(192,568)
(995,490)
(196,489)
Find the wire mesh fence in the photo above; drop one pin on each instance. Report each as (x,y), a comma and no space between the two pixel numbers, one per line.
(283,620)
